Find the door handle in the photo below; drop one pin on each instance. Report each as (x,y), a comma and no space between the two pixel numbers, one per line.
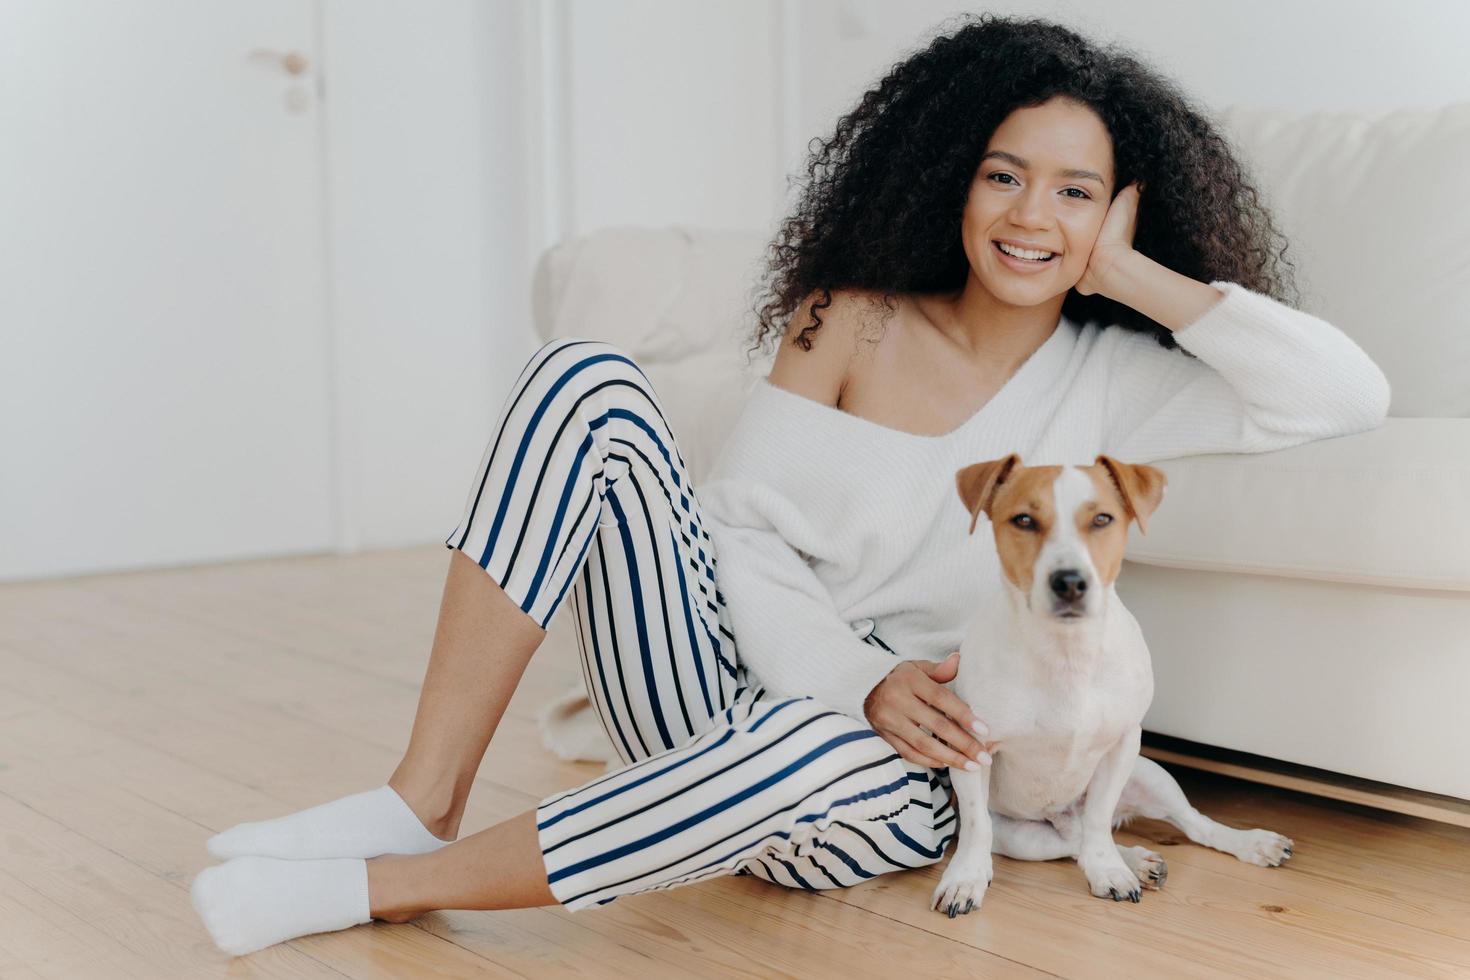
(291,62)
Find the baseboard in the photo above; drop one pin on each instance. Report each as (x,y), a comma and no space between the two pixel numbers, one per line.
(1305,779)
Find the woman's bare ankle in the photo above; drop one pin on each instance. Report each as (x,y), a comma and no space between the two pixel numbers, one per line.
(390,888)
(439,807)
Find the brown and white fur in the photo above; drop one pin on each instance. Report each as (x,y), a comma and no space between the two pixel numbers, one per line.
(1059,672)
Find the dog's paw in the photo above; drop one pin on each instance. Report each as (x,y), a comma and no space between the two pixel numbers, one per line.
(960,890)
(1112,879)
(1261,847)
(1146,865)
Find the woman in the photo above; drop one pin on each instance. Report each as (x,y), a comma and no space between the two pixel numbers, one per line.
(1045,223)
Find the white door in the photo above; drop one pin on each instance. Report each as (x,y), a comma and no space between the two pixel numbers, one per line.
(165,384)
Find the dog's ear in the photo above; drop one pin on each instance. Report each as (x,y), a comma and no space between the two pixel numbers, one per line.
(1141,487)
(978,482)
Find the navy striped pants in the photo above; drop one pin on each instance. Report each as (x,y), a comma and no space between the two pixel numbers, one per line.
(582,495)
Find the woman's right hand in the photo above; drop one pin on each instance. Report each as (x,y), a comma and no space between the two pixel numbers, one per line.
(913,694)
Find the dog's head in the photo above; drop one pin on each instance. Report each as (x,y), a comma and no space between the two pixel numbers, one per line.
(1060,531)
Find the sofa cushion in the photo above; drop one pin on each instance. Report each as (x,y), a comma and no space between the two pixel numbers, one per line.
(1385,507)
(702,396)
(661,294)
(1372,204)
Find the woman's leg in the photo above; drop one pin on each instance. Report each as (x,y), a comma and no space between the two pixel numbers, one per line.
(591,449)
(482,645)
(772,774)
(851,852)
(719,773)
(497,868)
(587,498)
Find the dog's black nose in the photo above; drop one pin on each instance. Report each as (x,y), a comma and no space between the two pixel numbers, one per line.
(1068,584)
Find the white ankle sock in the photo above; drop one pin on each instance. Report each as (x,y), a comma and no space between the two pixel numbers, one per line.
(362,825)
(253,902)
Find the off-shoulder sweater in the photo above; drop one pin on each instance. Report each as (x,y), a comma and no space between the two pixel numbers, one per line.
(827,527)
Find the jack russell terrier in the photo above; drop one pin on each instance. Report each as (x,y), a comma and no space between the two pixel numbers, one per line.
(1058,670)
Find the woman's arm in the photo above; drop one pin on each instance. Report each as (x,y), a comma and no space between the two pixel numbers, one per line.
(1158,292)
(1264,377)
(787,629)
(789,634)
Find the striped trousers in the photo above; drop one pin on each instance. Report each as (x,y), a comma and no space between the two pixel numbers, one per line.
(582,494)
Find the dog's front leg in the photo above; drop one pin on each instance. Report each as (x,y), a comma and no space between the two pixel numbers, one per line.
(963,886)
(1107,875)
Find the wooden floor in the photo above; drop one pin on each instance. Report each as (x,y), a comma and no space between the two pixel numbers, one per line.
(141,712)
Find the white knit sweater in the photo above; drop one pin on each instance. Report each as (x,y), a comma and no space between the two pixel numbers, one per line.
(827,526)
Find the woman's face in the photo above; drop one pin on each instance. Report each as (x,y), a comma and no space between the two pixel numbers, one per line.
(1046,179)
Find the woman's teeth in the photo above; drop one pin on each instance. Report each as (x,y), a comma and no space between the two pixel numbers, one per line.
(1029,255)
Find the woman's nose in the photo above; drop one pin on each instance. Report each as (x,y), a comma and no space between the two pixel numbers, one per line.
(1032,208)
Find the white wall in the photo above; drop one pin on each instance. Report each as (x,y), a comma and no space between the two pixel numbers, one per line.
(674,112)
(464,139)
(1308,54)
(695,113)
(461,138)
(164,364)
(429,252)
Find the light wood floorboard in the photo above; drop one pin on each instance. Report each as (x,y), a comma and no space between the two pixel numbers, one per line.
(141,712)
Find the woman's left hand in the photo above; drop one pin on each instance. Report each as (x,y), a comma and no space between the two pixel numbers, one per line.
(1114,240)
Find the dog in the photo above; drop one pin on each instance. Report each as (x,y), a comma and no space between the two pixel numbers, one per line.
(1059,672)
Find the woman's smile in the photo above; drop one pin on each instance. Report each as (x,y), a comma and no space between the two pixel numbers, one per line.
(1025,266)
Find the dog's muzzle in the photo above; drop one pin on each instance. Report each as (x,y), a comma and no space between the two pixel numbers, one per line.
(1069,593)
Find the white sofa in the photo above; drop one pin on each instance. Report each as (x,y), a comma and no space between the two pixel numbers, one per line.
(1310,605)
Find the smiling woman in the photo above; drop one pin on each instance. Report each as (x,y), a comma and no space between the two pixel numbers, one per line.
(998,198)
(1024,204)
(1016,132)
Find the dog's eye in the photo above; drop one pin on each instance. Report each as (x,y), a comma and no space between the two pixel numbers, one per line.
(1102,520)
(1019,518)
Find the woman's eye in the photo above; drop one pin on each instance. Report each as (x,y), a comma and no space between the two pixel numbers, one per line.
(1080,196)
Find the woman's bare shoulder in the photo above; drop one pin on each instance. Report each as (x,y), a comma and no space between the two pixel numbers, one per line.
(822,372)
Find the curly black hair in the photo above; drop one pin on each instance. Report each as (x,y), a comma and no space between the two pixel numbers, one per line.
(884,198)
